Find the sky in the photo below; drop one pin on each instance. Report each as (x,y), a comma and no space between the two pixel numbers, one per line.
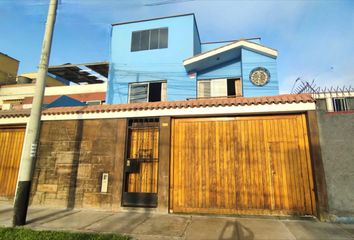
(314,39)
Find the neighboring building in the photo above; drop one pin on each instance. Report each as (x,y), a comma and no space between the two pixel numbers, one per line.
(86,86)
(51,80)
(19,96)
(8,69)
(17,99)
(336,101)
(163,59)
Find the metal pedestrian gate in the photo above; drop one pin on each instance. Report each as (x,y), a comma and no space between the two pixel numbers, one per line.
(141,163)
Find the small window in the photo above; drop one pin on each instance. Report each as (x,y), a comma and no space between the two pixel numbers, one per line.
(135,41)
(219,88)
(139,93)
(154,39)
(147,92)
(163,38)
(340,104)
(149,39)
(204,89)
(234,87)
(93,102)
(144,40)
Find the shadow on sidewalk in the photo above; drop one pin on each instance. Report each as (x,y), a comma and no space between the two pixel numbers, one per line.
(6,210)
(235,231)
(51,216)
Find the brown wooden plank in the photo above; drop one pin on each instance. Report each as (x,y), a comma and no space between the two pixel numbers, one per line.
(269,185)
(11,143)
(285,164)
(313,151)
(238,87)
(231,162)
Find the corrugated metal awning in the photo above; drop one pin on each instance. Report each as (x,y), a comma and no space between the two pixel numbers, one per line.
(76,72)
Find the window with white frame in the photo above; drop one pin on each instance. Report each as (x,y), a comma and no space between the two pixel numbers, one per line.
(149,39)
(147,92)
(340,104)
(219,87)
(204,88)
(93,102)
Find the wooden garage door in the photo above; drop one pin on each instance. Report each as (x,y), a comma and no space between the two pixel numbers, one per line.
(11,142)
(242,165)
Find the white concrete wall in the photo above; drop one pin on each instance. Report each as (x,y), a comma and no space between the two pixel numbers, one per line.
(20,91)
(328,96)
(177,112)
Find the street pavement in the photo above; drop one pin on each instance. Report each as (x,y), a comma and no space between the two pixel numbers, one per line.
(172,226)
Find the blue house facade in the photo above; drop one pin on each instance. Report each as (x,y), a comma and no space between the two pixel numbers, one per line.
(163,59)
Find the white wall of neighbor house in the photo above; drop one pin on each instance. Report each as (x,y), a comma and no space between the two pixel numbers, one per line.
(26,90)
(20,91)
(13,120)
(329,96)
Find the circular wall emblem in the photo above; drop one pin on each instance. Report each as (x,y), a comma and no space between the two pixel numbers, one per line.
(259,76)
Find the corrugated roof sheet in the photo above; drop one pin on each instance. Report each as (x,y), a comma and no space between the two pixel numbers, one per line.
(200,103)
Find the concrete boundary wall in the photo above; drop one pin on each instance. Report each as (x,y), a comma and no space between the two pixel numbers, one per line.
(336,132)
(72,157)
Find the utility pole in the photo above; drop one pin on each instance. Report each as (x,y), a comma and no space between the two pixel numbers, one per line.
(28,157)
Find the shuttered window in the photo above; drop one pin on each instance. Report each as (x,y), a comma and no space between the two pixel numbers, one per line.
(138,92)
(149,39)
(219,88)
(147,92)
(204,89)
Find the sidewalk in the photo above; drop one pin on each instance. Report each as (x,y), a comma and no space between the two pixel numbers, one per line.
(158,226)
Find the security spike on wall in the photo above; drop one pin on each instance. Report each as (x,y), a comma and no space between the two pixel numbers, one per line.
(307,87)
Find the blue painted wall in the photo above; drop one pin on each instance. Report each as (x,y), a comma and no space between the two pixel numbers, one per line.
(230,69)
(251,60)
(167,64)
(241,67)
(196,39)
(158,64)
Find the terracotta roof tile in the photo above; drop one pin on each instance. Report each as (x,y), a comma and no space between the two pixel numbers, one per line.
(212,102)
(200,103)
(15,113)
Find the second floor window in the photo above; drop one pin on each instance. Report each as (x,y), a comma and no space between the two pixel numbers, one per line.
(219,88)
(147,92)
(149,39)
